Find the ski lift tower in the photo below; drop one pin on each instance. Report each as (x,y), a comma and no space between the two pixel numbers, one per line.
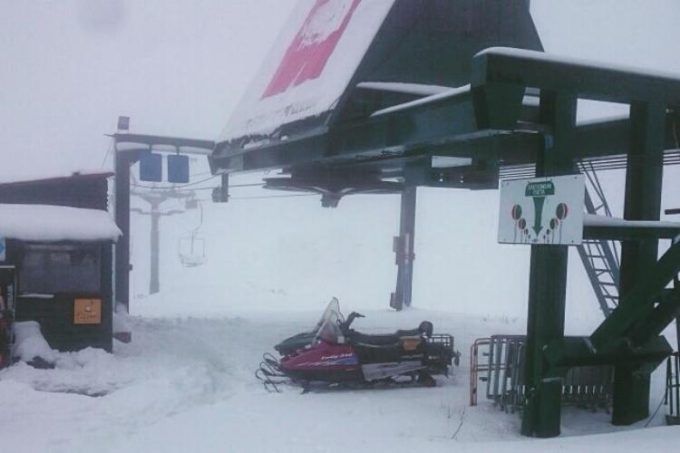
(384,96)
(130,149)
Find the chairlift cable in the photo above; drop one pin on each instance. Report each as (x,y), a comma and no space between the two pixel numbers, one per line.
(141,186)
(258,197)
(106,156)
(196,182)
(274,196)
(262,197)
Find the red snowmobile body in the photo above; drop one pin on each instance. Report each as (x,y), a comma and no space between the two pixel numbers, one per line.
(338,354)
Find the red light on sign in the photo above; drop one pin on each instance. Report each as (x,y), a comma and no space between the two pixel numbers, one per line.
(516,212)
(561,211)
(313,45)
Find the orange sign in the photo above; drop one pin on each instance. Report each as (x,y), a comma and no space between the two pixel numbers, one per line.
(410,343)
(87,311)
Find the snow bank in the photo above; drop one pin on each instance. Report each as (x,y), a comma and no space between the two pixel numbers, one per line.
(29,343)
(121,319)
(56,223)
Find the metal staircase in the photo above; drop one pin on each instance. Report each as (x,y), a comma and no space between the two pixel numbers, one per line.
(600,257)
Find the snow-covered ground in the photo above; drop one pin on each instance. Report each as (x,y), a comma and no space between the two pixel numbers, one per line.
(186,381)
(187,384)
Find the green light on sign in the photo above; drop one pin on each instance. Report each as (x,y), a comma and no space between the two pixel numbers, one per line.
(540,189)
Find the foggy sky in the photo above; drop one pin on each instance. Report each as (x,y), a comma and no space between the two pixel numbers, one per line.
(70,67)
(179,67)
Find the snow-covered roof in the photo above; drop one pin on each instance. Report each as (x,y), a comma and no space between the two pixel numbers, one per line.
(35,176)
(56,223)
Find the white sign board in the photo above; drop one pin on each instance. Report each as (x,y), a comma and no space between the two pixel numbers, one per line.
(542,211)
(310,66)
(3,249)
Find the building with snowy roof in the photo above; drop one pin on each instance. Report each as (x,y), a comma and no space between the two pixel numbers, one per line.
(56,258)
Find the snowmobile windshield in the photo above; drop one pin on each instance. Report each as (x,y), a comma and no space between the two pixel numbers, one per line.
(332,311)
(329,332)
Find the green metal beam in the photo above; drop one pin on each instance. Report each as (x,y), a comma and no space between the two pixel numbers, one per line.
(644,177)
(159,140)
(584,79)
(548,279)
(577,351)
(637,302)
(624,233)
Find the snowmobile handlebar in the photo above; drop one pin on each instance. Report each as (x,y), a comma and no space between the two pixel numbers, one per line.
(352,316)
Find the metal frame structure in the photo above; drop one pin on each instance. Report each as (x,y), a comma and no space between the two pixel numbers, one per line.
(493,126)
(600,257)
(517,118)
(672,398)
(502,367)
(128,149)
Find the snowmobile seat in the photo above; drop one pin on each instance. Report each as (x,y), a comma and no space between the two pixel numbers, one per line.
(387,348)
(425,328)
(374,340)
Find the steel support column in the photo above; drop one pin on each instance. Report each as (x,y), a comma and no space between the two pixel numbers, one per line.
(154,276)
(123,161)
(403,248)
(644,176)
(548,279)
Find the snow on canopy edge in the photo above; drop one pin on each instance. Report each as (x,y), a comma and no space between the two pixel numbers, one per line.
(445,94)
(556,58)
(615,222)
(56,223)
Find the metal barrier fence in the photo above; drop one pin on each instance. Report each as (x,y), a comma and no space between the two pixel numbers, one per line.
(498,362)
(673,389)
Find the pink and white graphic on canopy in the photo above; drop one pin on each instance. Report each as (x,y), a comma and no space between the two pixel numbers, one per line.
(313,45)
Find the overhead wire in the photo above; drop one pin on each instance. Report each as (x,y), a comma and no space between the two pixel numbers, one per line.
(254,197)
(180,186)
(106,156)
(142,186)
(261,197)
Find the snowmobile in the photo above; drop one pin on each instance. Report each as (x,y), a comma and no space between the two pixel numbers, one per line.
(335,354)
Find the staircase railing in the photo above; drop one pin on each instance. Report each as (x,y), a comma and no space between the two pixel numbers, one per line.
(600,257)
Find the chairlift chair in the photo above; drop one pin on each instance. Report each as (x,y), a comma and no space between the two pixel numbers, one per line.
(192,250)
